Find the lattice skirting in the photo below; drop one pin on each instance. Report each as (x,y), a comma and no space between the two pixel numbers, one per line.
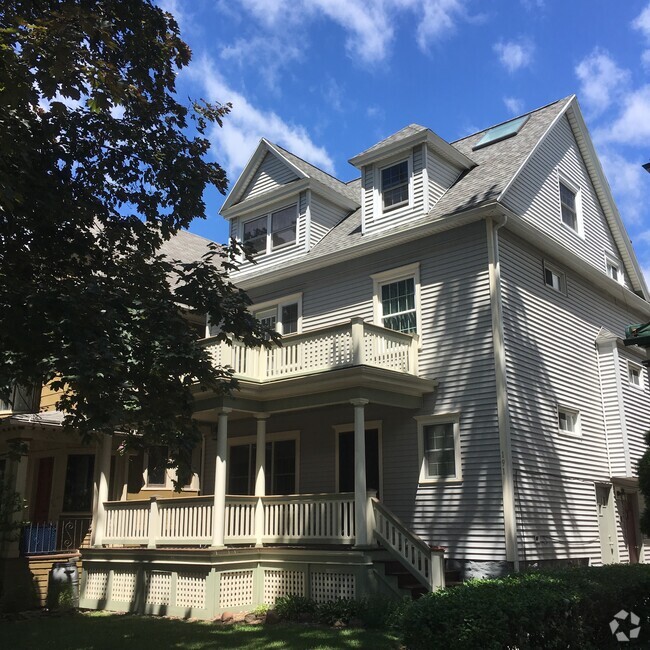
(96,584)
(123,586)
(190,590)
(282,582)
(326,586)
(236,589)
(159,584)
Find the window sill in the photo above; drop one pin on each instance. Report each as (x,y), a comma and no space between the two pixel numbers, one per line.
(396,206)
(433,481)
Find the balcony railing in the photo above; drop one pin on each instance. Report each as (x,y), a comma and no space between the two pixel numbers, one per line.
(298,518)
(340,346)
(65,535)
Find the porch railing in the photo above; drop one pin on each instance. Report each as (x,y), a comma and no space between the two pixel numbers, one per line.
(425,563)
(65,535)
(338,346)
(304,518)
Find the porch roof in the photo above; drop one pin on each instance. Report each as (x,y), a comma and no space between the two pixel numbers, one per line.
(377,385)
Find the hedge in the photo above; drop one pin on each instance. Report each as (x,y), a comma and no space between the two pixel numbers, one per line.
(569,608)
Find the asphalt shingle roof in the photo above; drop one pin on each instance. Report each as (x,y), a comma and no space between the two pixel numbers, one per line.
(185,247)
(402,134)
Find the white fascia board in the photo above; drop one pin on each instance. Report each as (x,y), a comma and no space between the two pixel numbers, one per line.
(440,146)
(249,170)
(262,201)
(604,193)
(569,259)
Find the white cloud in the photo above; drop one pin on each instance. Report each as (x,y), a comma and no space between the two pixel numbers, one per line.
(627,182)
(246,124)
(515,55)
(632,126)
(601,80)
(268,53)
(514,105)
(642,22)
(368,25)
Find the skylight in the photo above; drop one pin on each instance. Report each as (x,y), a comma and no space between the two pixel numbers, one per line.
(501,132)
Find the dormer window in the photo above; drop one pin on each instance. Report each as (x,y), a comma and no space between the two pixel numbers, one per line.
(395,185)
(272,231)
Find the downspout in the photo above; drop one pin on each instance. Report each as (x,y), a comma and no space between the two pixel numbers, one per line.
(500,373)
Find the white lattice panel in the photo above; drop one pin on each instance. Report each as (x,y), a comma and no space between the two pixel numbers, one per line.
(159,585)
(190,590)
(123,586)
(281,582)
(236,589)
(96,585)
(327,586)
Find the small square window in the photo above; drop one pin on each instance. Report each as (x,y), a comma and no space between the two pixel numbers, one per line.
(568,420)
(569,206)
(614,270)
(395,185)
(635,374)
(439,446)
(554,278)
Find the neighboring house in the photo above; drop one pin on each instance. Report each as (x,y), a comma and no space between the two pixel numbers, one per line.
(452,329)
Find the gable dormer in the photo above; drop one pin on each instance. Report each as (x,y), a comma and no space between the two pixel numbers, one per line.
(282,206)
(403,176)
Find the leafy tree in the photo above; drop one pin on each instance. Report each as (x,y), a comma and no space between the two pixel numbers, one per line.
(101,164)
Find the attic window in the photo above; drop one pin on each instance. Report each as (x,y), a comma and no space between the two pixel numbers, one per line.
(272,231)
(395,185)
(501,132)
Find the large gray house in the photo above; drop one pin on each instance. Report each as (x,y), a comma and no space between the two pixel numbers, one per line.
(452,393)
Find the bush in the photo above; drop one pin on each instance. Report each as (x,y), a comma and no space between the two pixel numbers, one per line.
(294,608)
(568,608)
(342,610)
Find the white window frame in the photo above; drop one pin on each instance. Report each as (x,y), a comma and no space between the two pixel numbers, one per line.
(278,305)
(579,229)
(389,277)
(269,233)
(611,262)
(631,369)
(280,436)
(170,475)
(575,414)
(443,418)
(548,266)
(346,428)
(379,198)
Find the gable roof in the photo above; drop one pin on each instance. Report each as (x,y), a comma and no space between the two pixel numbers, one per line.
(302,169)
(185,247)
(410,136)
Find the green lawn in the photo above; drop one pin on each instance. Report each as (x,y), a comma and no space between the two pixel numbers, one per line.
(124,632)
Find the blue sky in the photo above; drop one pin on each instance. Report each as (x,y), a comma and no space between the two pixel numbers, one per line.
(328,78)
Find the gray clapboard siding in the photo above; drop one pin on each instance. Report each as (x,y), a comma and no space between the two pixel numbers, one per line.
(535,196)
(551,360)
(441,175)
(463,516)
(636,401)
(271,173)
(324,216)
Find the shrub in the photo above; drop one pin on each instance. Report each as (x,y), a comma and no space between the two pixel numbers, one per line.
(568,608)
(343,610)
(293,608)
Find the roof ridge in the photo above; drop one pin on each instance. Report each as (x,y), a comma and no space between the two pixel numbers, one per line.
(308,163)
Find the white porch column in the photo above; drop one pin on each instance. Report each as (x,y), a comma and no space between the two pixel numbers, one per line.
(219,507)
(101,489)
(260,475)
(360,496)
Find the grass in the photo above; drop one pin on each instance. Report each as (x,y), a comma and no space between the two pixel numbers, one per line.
(103,631)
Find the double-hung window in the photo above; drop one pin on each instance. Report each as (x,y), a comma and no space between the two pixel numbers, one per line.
(397,299)
(439,448)
(272,231)
(395,185)
(284,316)
(570,206)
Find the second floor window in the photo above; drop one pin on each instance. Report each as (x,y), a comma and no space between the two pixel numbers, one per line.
(395,185)
(398,305)
(271,231)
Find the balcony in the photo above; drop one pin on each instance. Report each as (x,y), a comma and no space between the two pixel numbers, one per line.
(355,343)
